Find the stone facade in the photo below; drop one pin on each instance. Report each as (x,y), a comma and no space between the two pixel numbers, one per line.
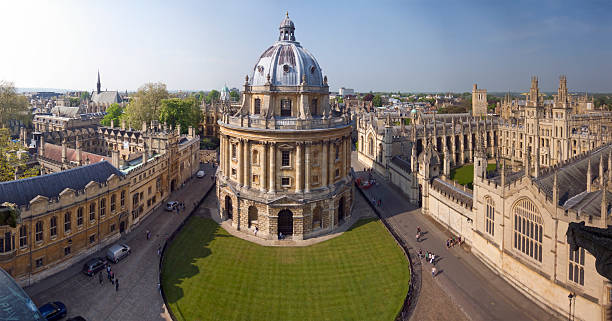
(284,157)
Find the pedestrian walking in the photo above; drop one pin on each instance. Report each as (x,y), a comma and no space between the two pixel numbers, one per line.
(112,274)
(117,285)
(431,258)
(433,272)
(447,243)
(418,236)
(159,251)
(148,234)
(100,277)
(418,229)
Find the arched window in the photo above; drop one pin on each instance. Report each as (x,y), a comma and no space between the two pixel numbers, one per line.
(23,236)
(257,106)
(67,222)
(490,217)
(576,266)
(39,231)
(53,228)
(371,146)
(528,229)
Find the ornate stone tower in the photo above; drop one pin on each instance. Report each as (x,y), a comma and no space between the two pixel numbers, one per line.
(479,101)
(285,157)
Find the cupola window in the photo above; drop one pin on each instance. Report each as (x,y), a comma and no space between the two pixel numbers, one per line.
(286,68)
(285,108)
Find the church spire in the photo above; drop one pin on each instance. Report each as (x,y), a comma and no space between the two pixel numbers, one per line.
(98,85)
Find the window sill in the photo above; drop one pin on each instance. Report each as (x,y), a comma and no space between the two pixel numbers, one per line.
(286,167)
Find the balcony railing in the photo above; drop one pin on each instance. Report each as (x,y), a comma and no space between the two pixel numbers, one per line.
(250,121)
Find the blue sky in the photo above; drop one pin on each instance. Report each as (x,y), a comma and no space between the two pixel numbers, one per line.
(366,45)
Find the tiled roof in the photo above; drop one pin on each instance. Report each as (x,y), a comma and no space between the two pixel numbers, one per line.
(54,152)
(22,191)
(587,203)
(106,97)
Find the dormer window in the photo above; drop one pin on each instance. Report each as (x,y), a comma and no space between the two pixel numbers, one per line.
(286,68)
(260,69)
(313,69)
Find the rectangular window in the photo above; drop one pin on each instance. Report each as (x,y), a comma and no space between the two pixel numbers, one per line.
(66,250)
(149,191)
(122,198)
(112,228)
(102,207)
(576,266)
(490,218)
(285,108)
(315,180)
(285,158)
(39,262)
(257,107)
(39,231)
(92,238)
(53,228)
(285,181)
(80,217)
(256,179)
(92,211)
(233,172)
(313,107)
(234,151)
(67,222)
(337,173)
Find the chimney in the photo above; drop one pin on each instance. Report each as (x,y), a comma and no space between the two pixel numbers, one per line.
(178,129)
(64,151)
(144,126)
(115,158)
(78,151)
(112,123)
(41,147)
(123,124)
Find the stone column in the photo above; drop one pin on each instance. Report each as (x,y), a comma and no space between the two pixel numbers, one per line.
(347,156)
(307,168)
(272,173)
(247,164)
(264,168)
(324,163)
(240,169)
(228,157)
(298,167)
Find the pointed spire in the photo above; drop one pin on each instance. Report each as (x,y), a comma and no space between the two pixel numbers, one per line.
(601,170)
(98,85)
(555,188)
(503,172)
(589,176)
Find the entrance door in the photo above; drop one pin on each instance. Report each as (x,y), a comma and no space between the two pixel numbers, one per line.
(228,207)
(122,227)
(172,185)
(285,222)
(341,209)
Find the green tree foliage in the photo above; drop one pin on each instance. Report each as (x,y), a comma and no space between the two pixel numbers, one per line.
(199,96)
(9,214)
(212,96)
(74,101)
(113,112)
(13,105)
(85,96)
(235,95)
(146,104)
(175,111)
(339,100)
(209,143)
(377,101)
(11,162)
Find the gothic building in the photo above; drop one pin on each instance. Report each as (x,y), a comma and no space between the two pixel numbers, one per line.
(102,99)
(285,158)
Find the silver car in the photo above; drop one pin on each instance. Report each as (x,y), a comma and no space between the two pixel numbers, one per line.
(117,252)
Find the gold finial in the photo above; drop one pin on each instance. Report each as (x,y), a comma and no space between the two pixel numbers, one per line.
(287,14)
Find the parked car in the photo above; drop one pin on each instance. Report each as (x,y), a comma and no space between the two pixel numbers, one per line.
(77,318)
(200,174)
(53,311)
(117,252)
(171,206)
(94,265)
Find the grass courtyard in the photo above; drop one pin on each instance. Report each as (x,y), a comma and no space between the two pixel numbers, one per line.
(464,175)
(210,275)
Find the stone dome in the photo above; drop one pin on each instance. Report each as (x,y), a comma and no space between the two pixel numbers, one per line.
(286,62)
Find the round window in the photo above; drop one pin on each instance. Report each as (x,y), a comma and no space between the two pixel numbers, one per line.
(260,69)
(286,68)
(312,69)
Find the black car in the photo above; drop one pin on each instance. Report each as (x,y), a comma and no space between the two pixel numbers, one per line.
(94,265)
(53,311)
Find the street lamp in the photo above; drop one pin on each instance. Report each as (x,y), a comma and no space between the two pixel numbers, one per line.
(570,297)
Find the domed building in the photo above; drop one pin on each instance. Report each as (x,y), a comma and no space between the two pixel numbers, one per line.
(285,157)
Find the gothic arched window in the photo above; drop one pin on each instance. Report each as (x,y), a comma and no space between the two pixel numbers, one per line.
(490,217)
(528,229)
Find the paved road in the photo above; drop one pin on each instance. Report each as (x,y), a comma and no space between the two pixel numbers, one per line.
(138,297)
(474,288)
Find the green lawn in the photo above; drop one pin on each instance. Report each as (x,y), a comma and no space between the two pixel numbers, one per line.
(464,175)
(210,275)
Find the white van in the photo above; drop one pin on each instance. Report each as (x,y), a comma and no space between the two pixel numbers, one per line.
(117,252)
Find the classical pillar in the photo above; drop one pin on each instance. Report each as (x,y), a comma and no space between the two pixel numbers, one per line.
(247,164)
(324,163)
(240,149)
(228,157)
(307,168)
(272,173)
(298,167)
(264,168)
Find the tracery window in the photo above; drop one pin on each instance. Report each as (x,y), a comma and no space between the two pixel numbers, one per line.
(576,266)
(528,229)
(490,218)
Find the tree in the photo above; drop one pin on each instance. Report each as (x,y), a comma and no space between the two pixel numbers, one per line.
(377,101)
(234,95)
(12,105)
(177,111)
(368,97)
(200,96)
(84,96)
(113,112)
(146,104)
(212,96)
(74,101)
(339,99)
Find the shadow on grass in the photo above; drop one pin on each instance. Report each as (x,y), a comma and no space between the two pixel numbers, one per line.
(180,258)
